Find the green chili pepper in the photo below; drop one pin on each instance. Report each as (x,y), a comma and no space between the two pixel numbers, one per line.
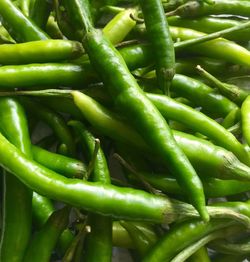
(207,158)
(179,237)
(129,98)
(160,38)
(62,164)
(44,241)
(21,28)
(195,8)
(54,120)
(171,109)
(17,197)
(245,118)
(39,52)
(200,255)
(118,28)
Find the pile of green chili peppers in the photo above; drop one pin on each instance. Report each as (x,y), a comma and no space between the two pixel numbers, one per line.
(125,127)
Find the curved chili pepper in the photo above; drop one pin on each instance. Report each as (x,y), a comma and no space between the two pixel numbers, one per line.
(21,28)
(128,97)
(44,241)
(59,163)
(16,228)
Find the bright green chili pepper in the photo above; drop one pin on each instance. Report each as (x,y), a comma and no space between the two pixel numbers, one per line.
(245,118)
(118,28)
(207,158)
(59,163)
(39,52)
(21,28)
(17,197)
(129,98)
(161,40)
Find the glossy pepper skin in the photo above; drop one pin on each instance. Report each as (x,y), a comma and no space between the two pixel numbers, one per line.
(159,35)
(130,99)
(21,28)
(16,227)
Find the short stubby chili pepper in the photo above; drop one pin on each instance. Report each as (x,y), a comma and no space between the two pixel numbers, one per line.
(130,99)
(161,40)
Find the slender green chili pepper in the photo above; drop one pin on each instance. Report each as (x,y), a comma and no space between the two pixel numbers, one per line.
(194,8)
(202,95)
(210,25)
(123,203)
(245,118)
(171,109)
(100,237)
(182,235)
(40,12)
(54,120)
(110,125)
(52,28)
(129,98)
(16,224)
(231,118)
(160,38)
(62,164)
(44,241)
(21,28)
(118,28)
(185,253)
(232,92)
(213,187)
(42,208)
(39,52)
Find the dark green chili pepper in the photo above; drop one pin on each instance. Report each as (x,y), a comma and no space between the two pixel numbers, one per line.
(59,163)
(100,237)
(161,40)
(40,12)
(195,8)
(245,119)
(42,208)
(16,224)
(130,100)
(54,120)
(44,241)
(182,235)
(21,28)
(39,52)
